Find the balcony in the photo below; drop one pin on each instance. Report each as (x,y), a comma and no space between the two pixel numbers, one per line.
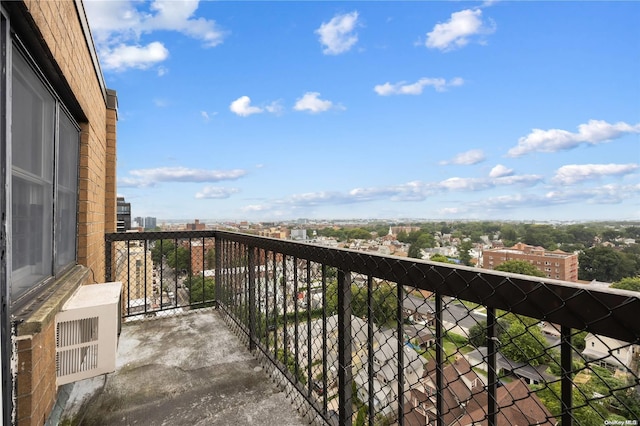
(357,338)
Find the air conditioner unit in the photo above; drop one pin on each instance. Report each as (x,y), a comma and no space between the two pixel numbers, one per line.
(87,331)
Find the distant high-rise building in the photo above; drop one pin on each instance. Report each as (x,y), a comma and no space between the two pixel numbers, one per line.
(139,220)
(123,213)
(555,264)
(150,222)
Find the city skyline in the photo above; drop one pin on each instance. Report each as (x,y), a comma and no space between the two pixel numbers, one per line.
(267,111)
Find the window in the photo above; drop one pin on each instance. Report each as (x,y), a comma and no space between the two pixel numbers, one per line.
(44,179)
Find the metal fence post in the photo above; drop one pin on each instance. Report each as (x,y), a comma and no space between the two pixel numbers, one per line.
(345,378)
(107,258)
(252,298)
(492,385)
(566,379)
(217,277)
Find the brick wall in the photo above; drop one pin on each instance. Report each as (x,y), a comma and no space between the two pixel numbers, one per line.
(36,385)
(60,27)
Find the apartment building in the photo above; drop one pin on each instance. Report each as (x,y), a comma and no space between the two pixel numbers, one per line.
(123,215)
(555,264)
(58,147)
(134,269)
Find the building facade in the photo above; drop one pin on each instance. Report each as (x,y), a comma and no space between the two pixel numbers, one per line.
(58,148)
(123,215)
(555,264)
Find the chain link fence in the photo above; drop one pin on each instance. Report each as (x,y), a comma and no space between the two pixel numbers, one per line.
(378,340)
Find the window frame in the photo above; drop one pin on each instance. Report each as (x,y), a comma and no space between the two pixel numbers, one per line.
(52,270)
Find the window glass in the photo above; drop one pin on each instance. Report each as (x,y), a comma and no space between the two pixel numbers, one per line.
(66,214)
(42,135)
(32,131)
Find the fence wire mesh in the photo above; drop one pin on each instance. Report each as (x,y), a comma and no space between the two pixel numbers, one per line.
(368,339)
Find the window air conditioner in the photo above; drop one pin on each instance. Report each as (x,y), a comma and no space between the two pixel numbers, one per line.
(87,330)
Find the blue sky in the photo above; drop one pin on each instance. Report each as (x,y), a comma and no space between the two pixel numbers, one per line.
(436,110)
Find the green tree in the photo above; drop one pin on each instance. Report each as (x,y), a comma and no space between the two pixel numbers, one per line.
(201,290)
(440,258)
(604,264)
(589,415)
(464,255)
(358,234)
(628,283)
(384,302)
(176,256)
(478,332)
(509,235)
(524,344)
(210,259)
(179,259)
(519,267)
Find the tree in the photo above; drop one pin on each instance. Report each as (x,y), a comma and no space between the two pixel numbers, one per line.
(629,283)
(519,267)
(440,258)
(202,290)
(604,264)
(210,259)
(384,302)
(179,259)
(464,255)
(478,332)
(524,344)
(176,256)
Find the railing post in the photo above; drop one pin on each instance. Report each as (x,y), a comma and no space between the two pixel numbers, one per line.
(439,361)
(345,378)
(566,383)
(370,334)
(400,331)
(107,258)
(252,298)
(492,385)
(217,276)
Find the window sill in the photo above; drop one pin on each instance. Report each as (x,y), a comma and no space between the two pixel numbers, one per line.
(33,318)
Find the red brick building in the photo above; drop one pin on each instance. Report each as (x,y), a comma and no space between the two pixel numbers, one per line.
(555,264)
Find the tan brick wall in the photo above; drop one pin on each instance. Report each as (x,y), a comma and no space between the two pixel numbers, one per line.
(61,30)
(36,390)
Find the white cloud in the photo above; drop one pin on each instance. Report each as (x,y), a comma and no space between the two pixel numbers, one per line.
(594,132)
(275,107)
(457,32)
(216,192)
(118,25)
(150,177)
(206,116)
(337,36)
(242,107)
(403,88)
(500,171)
(574,173)
(311,102)
(122,57)
(162,71)
(467,158)
(178,16)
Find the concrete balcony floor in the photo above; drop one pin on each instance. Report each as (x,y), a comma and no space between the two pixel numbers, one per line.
(187,369)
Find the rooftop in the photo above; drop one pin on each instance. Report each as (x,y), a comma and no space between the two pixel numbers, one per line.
(187,369)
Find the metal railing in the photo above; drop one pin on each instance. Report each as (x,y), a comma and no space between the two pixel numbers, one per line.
(370,339)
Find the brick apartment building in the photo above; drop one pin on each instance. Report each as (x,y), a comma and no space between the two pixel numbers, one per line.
(58,146)
(555,264)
